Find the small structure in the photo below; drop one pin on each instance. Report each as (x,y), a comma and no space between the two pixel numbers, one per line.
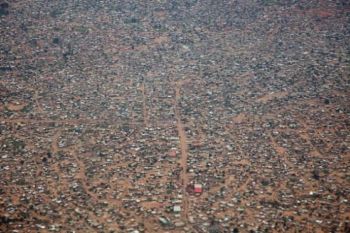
(177,208)
(164,221)
(173,152)
(194,189)
(198,188)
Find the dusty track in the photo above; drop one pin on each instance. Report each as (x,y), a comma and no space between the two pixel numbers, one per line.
(184,153)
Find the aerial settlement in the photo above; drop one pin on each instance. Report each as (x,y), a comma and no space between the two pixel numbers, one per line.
(174,116)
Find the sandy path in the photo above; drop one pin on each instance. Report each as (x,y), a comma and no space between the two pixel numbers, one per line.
(36,99)
(54,151)
(48,121)
(184,154)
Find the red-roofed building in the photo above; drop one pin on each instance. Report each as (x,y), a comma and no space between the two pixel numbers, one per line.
(198,188)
